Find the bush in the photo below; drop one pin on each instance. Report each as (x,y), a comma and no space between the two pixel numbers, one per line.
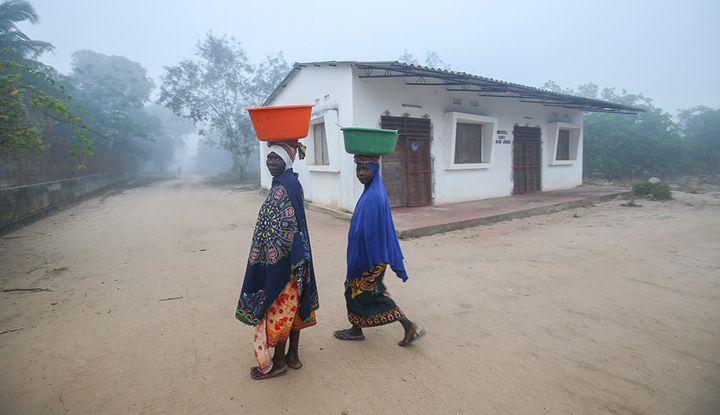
(653,191)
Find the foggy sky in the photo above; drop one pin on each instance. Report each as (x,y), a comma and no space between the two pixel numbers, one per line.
(667,50)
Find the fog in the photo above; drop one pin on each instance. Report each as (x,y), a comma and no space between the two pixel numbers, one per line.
(667,50)
(562,252)
(661,57)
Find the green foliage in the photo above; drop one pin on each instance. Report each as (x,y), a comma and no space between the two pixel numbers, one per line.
(113,90)
(102,99)
(31,97)
(16,44)
(619,145)
(653,191)
(30,110)
(213,90)
(114,82)
(701,130)
(649,143)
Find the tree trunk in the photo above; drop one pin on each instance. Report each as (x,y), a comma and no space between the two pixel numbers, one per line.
(245,161)
(238,166)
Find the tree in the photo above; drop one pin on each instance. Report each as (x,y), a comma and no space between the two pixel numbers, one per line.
(432,59)
(113,91)
(628,145)
(31,97)
(700,127)
(32,105)
(17,45)
(170,136)
(407,58)
(213,90)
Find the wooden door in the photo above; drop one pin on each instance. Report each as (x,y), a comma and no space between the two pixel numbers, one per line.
(393,174)
(526,160)
(407,172)
(418,178)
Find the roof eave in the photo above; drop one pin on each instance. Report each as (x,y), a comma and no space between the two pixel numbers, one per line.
(466,82)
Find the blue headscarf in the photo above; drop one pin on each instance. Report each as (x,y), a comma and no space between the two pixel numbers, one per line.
(372,239)
(280,250)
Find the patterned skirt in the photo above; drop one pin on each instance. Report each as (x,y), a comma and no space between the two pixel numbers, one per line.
(368,302)
(280,319)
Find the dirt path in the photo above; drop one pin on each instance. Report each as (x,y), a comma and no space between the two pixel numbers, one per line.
(602,310)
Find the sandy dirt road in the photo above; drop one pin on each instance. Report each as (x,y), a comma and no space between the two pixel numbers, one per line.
(600,310)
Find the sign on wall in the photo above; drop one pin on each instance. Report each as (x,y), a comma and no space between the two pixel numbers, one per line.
(502,137)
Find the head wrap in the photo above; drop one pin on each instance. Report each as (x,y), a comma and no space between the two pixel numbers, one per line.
(366,159)
(287,150)
(280,151)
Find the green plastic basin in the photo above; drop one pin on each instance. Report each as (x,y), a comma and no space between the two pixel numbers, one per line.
(370,141)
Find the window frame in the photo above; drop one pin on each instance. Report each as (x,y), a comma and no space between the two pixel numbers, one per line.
(563,145)
(575,132)
(333,141)
(488,135)
(315,127)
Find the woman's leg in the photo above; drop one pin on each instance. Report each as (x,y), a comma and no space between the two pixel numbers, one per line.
(293,357)
(275,329)
(412,331)
(368,304)
(279,356)
(278,364)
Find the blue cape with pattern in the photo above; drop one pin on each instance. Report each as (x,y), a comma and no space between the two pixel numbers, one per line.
(280,250)
(372,239)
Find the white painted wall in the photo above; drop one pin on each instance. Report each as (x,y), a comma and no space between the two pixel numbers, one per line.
(342,96)
(330,89)
(453,183)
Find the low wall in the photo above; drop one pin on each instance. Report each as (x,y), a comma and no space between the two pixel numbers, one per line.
(24,204)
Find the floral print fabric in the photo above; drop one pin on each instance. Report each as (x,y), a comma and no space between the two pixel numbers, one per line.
(274,229)
(281,317)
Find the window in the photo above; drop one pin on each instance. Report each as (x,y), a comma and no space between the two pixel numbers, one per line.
(563,145)
(468,143)
(470,139)
(320,145)
(324,142)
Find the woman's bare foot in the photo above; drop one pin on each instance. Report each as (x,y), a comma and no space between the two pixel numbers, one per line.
(276,371)
(412,333)
(353,333)
(293,361)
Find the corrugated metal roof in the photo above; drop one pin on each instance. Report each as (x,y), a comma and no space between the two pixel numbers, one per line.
(464,82)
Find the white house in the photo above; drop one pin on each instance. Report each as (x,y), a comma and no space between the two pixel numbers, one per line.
(462,137)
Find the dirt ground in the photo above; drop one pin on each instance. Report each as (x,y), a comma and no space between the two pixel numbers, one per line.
(600,310)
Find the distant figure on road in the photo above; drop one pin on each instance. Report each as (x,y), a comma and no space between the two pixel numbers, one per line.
(372,246)
(279,294)
(179,170)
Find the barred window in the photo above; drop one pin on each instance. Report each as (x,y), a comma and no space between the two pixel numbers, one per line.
(468,143)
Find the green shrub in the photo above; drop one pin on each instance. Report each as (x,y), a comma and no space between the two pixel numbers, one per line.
(653,191)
